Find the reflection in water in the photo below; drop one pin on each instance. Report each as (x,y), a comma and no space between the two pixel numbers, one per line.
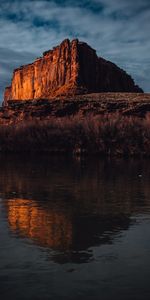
(74,229)
(61,230)
(48,228)
(70,206)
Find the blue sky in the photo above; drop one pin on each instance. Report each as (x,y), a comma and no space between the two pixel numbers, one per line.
(118,29)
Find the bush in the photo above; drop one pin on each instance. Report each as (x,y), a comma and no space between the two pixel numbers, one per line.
(110,134)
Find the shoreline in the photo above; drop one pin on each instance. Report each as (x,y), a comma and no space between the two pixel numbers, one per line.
(107,124)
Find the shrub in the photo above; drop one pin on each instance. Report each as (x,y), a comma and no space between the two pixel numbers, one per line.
(110,134)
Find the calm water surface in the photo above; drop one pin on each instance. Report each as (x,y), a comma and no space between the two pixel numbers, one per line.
(74,229)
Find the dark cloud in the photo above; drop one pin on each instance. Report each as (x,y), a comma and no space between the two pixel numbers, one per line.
(117,29)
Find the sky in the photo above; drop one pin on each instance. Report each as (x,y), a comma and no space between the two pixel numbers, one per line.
(119,30)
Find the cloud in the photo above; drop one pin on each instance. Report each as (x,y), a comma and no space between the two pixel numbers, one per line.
(117,29)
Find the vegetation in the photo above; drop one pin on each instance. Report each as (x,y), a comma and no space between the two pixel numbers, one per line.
(109,134)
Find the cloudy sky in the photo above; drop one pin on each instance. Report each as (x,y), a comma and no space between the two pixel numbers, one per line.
(118,29)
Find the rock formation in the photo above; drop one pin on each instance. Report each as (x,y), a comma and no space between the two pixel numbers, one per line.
(70,68)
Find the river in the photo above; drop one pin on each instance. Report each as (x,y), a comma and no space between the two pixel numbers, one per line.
(74,228)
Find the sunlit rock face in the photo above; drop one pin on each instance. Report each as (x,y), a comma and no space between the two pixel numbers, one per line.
(70,68)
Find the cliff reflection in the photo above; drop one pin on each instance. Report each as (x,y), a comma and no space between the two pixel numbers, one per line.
(68,206)
(48,228)
(62,231)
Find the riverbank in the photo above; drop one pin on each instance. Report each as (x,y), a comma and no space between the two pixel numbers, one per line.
(109,124)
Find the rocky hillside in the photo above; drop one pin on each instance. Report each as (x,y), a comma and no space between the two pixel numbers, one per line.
(126,104)
(71,68)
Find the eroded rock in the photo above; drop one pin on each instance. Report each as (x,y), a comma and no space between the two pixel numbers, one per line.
(71,68)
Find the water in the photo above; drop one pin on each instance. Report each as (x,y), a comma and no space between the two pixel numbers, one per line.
(74,229)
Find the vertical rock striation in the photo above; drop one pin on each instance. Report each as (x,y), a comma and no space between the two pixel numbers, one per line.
(70,68)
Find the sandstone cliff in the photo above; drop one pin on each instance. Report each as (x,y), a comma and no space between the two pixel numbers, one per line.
(68,69)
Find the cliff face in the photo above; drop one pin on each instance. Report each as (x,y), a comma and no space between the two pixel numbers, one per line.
(71,68)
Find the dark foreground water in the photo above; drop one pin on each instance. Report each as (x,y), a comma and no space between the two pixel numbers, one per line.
(72,229)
